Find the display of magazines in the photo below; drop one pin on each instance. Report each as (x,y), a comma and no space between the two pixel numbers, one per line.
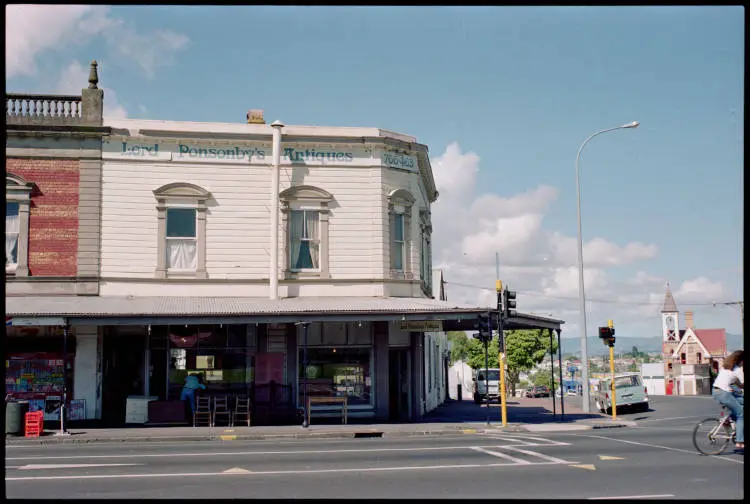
(34,376)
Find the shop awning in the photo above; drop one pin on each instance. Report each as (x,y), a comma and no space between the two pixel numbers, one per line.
(133,310)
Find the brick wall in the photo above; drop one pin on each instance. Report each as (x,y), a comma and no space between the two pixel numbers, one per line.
(53,217)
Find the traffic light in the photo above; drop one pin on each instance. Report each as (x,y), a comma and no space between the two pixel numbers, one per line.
(509,303)
(607,334)
(485,329)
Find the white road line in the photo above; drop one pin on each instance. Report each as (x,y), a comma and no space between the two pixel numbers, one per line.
(265,473)
(656,496)
(225,454)
(517,440)
(540,455)
(692,452)
(500,455)
(523,440)
(33,467)
(665,419)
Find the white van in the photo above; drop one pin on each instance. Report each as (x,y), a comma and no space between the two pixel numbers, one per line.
(480,384)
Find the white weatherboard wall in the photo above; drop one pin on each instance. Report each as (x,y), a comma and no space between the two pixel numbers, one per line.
(435,346)
(400,179)
(653,378)
(237,220)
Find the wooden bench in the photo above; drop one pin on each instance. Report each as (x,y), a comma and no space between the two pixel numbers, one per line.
(328,400)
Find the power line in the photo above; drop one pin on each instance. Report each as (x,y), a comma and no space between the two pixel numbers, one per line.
(569,298)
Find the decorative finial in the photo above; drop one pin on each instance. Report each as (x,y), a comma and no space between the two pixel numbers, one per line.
(93,76)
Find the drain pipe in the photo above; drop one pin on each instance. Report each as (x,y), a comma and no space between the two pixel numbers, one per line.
(276,155)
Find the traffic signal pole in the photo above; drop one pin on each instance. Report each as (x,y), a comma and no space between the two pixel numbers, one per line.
(612,372)
(607,335)
(487,378)
(501,355)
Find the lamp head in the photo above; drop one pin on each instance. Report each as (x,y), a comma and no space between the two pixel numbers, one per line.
(634,124)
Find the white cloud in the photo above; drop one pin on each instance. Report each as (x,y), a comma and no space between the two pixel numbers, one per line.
(74,78)
(540,264)
(32,30)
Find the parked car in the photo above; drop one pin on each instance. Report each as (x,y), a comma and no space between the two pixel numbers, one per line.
(630,393)
(481,383)
(540,391)
(529,392)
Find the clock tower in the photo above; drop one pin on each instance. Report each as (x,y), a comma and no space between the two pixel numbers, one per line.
(670,334)
(670,319)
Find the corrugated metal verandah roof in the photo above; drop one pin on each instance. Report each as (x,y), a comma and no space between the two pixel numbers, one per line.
(131,310)
(178,306)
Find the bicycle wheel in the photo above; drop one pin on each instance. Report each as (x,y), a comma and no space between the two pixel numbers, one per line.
(711,436)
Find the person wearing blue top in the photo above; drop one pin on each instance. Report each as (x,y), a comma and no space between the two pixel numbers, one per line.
(192,383)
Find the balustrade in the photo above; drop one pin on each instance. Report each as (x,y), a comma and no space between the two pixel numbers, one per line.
(42,109)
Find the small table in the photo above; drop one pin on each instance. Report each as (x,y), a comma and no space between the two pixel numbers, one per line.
(322,400)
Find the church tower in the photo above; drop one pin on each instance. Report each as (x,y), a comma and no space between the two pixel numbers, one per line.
(670,319)
(670,331)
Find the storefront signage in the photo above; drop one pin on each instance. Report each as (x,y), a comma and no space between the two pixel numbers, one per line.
(253,153)
(421,325)
(396,160)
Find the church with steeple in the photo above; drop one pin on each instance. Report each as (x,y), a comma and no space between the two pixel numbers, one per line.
(692,357)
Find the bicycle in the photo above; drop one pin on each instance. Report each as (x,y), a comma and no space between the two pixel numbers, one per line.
(716,433)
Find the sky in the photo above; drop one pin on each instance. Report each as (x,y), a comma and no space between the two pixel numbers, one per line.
(503,97)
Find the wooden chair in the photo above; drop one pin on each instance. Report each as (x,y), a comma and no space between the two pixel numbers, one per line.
(202,410)
(221,407)
(242,409)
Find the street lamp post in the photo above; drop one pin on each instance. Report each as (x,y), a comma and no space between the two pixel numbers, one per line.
(581,294)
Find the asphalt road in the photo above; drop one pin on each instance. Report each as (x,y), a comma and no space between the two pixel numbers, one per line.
(654,460)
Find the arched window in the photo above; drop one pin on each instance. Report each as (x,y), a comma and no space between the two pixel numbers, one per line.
(17,203)
(181,210)
(305,214)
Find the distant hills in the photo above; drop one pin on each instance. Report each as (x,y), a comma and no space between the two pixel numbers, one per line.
(626,344)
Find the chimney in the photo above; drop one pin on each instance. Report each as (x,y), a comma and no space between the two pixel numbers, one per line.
(255,116)
(689,320)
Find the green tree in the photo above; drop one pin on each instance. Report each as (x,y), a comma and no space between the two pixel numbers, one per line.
(635,353)
(475,354)
(543,377)
(633,367)
(525,349)
(459,346)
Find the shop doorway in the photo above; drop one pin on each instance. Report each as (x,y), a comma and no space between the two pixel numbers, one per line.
(398,385)
(122,373)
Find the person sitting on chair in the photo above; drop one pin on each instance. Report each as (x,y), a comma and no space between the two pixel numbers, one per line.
(192,383)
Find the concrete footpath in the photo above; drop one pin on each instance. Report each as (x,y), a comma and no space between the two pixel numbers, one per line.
(453,417)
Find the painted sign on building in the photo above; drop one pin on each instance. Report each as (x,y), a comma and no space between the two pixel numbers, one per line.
(260,153)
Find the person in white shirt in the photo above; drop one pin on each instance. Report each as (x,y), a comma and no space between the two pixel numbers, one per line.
(730,376)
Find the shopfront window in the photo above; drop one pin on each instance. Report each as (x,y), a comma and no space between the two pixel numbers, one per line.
(339,362)
(338,372)
(222,356)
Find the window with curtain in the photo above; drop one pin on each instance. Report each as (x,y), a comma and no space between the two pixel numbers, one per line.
(397,252)
(11,234)
(304,240)
(181,239)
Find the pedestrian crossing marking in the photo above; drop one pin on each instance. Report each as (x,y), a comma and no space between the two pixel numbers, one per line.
(608,457)
(237,470)
(590,467)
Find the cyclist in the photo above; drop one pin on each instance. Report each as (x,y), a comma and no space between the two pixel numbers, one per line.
(730,376)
